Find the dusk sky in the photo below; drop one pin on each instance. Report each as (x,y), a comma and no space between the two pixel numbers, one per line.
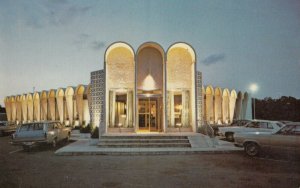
(57,43)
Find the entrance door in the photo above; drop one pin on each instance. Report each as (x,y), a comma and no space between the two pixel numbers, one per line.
(148,114)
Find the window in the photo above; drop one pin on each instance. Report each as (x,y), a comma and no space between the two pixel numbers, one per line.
(38,126)
(253,125)
(263,125)
(120,108)
(177,109)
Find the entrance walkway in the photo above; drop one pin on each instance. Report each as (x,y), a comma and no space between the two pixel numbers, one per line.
(199,144)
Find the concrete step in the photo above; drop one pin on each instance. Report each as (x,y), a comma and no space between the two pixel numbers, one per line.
(130,140)
(144,145)
(143,137)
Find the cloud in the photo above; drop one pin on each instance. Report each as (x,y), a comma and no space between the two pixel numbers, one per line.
(61,14)
(97,45)
(213,59)
(84,40)
(53,12)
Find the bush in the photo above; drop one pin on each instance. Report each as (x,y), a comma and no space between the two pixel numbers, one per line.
(95,133)
(86,129)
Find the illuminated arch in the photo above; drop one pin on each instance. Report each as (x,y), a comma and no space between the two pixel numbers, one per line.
(180,77)
(36,107)
(13,108)
(19,108)
(218,105)
(232,102)
(119,75)
(225,106)
(120,66)
(209,95)
(29,99)
(244,105)
(86,104)
(24,105)
(60,94)
(238,106)
(150,58)
(44,105)
(7,104)
(203,105)
(51,104)
(69,95)
(79,95)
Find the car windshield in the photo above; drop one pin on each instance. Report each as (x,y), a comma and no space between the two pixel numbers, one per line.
(31,127)
(289,129)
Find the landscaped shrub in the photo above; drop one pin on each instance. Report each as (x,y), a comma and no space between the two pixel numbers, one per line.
(95,133)
(86,129)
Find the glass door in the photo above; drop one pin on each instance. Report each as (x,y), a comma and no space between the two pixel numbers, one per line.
(147,114)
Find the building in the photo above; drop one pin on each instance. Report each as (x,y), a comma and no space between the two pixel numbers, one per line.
(147,90)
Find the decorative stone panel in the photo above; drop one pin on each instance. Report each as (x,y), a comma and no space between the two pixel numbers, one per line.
(199,98)
(97,98)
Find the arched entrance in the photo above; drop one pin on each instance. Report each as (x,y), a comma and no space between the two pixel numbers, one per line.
(150,87)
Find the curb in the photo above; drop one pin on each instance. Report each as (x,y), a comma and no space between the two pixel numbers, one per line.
(114,153)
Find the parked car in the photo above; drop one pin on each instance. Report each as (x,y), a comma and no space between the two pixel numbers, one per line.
(30,134)
(252,126)
(7,128)
(234,123)
(286,139)
(241,122)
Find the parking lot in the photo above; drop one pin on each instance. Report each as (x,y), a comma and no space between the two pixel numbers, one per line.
(41,168)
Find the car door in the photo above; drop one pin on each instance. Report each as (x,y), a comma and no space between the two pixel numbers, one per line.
(286,140)
(251,127)
(264,127)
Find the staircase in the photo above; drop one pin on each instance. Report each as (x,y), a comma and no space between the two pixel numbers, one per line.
(142,141)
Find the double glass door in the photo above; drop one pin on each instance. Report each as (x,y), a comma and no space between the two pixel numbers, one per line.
(148,114)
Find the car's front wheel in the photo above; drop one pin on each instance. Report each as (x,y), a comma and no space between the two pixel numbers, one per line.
(252,149)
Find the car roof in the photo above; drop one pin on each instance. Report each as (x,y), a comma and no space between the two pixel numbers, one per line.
(258,120)
(41,122)
(293,123)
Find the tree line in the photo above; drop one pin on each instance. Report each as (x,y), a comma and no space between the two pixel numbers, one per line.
(284,108)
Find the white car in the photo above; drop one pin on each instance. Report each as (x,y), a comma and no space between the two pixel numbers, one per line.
(253,126)
(30,134)
(286,139)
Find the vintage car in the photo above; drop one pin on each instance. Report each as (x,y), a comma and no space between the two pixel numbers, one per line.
(29,134)
(252,126)
(287,139)
(7,128)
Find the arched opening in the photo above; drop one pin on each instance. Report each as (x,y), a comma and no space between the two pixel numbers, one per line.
(79,94)
(44,105)
(218,105)
(150,88)
(225,106)
(36,107)
(232,102)
(19,109)
(245,105)
(51,104)
(24,108)
(238,106)
(120,86)
(180,68)
(209,101)
(69,95)
(60,93)
(29,98)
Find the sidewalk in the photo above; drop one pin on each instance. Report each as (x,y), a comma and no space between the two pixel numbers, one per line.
(199,142)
